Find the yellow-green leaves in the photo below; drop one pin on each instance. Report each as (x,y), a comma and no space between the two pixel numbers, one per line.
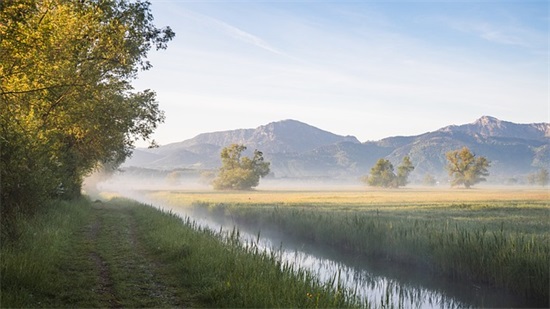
(66,100)
(240,173)
(465,169)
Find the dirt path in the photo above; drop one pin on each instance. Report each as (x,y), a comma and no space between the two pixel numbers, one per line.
(126,273)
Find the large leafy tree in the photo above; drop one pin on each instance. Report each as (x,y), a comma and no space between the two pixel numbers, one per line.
(67,105)
(382,174)
(238,172)
(465,168)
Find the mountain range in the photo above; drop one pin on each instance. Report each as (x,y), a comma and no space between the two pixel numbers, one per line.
(298,150)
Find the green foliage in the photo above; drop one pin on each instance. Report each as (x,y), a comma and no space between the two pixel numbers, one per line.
(67,104)
(403,171)
(240,173)
(465,169)
(382,175)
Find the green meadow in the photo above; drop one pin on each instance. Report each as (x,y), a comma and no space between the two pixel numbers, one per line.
(121,253)
(124,254)
(491,237)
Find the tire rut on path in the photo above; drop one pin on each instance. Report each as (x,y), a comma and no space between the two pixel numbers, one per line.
(105,288)
(128,275)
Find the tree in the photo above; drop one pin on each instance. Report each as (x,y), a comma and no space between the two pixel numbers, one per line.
(465,168)
(67,104)
(240,173)
(382,175)
(403,171)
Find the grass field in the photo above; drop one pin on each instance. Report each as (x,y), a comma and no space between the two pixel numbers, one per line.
(124,254)
(351,197)
(492,237)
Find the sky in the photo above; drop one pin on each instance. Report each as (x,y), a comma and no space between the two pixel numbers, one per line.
(371,69)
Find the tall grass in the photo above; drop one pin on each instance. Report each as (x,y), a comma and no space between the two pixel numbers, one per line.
(223,273)
(30,263)
(49,265)
(482,243)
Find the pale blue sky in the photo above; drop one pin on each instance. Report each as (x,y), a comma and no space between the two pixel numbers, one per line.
(371,69)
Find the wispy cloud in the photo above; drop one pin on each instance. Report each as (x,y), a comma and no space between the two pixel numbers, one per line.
(491,33)
(500,34)
(353,73)
(234,32)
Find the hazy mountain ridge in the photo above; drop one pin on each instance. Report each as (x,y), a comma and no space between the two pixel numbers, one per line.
(493,127)
(296,149)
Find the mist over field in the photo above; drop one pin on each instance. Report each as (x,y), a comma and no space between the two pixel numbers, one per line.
(299,152)
(312,222)
(147,180)
(274,154)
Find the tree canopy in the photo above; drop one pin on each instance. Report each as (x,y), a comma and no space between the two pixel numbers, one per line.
(67,105)
(382,174)
(238,172)
(465,168)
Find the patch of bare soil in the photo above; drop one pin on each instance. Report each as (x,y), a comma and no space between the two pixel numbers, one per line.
(105,288)
(128,276)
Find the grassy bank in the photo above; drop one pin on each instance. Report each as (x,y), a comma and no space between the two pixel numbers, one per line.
(485,240)
(124,254)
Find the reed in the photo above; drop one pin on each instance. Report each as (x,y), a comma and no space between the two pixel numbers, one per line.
(501,243)
(29,263)
(223,273)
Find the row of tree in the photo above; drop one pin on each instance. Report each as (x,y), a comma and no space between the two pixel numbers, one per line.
(243,173)
(464,168)
(67,104)
(382,174)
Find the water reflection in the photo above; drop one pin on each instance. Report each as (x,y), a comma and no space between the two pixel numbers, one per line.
(378,283)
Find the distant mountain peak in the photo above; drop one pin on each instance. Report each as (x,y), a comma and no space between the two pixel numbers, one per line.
(297,149)
(489,126)
(294,136)
(288,121)
(488,121)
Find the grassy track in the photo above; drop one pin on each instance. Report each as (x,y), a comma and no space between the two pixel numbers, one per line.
(489,237)
(84,255)
(124,254)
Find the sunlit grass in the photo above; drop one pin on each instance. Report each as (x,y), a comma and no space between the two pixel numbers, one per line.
(221,272)
(355,197)
(486,236)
